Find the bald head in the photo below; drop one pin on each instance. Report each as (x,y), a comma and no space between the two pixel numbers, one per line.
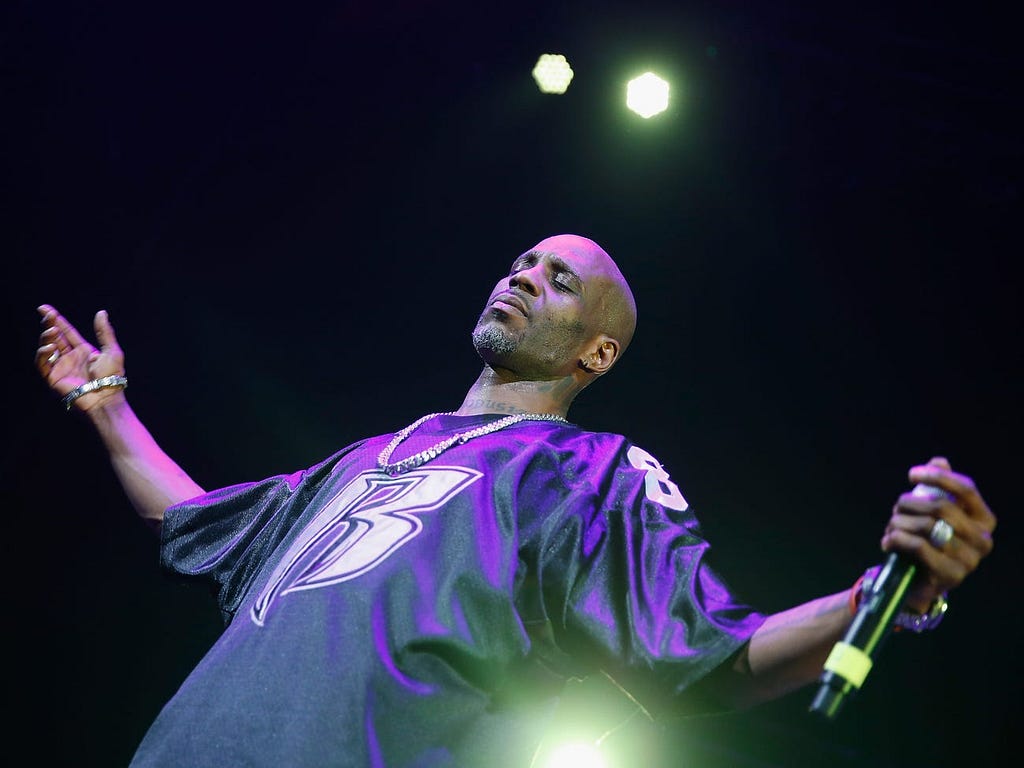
(564,311)
(610,302)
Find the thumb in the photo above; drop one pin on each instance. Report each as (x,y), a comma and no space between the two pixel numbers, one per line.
(939,461)
(105,331)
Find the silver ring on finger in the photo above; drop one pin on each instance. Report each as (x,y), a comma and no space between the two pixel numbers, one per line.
(941,533)
(54,357)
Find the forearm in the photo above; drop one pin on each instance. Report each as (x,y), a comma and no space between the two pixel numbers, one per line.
(151,479)
(787,652)
(790,648)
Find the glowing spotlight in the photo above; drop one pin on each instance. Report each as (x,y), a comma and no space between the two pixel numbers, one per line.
(647,95)
(577,755)
(552,73)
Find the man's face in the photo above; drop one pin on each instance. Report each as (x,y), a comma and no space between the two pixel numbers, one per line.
(539,319)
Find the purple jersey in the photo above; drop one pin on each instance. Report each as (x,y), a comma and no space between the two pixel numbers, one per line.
(431,618)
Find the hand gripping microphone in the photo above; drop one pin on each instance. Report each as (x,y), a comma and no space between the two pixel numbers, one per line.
(851,658)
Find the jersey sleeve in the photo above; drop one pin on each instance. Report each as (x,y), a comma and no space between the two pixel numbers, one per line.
(626,581)
(224,537)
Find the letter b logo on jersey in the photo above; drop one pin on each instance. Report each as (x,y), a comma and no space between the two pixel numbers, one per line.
(359,528)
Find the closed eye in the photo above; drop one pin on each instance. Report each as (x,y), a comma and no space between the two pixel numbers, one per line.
(562,284)
(564,279)
(523,263)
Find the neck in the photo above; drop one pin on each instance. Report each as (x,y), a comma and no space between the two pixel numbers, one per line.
(496,391)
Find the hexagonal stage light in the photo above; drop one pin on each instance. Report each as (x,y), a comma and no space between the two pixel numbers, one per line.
(552,73)
(647,95)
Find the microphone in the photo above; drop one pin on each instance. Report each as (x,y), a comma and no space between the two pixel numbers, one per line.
(852,657)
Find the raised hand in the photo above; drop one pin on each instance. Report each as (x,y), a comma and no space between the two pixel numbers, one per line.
(66,360)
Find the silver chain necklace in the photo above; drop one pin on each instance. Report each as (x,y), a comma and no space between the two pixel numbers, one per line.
(461,437)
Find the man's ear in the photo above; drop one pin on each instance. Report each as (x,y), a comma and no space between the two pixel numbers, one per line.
(601,356)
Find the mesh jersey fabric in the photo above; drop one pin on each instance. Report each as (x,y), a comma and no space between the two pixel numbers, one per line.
(431,618)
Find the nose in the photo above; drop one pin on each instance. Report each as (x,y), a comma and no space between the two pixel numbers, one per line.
(526,279)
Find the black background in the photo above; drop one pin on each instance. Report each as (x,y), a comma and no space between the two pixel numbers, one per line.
(294,215)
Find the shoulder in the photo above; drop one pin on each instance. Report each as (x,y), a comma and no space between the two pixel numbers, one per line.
(606,447)
(576,450)
(574,437)
(623,468)
(599,453)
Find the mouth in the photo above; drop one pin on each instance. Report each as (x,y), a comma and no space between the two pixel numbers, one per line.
(508,301)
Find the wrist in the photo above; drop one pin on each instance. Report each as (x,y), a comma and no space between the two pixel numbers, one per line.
(103,407)
(912,617)
(96,393)
(860,588)
(923,621)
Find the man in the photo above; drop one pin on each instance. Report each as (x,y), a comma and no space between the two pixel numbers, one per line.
(420,598)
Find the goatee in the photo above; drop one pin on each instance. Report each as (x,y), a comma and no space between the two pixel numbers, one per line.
(493,342)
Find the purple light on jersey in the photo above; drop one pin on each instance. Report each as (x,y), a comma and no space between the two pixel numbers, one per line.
(487,537)
(596,607)
(611,562)
(372,742)
(428,621)
(380,642)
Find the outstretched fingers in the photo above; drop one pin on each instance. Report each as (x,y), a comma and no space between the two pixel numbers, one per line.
(70,333)
(46,357)
(58,331)
(52,343)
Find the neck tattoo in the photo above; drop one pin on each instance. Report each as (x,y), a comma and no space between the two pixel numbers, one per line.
(459,438)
